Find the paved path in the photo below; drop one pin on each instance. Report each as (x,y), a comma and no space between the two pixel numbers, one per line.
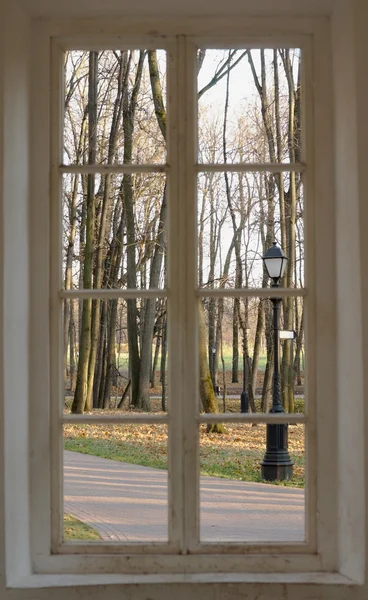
(129,503)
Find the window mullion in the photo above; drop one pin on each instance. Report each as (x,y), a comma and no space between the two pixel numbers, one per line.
(187,91)
(298,167)
(252,293)
(109,293)
(56,282)
(175,304)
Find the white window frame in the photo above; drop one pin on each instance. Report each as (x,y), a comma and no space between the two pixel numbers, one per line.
(269,560)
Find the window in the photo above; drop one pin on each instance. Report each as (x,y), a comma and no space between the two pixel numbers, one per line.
(182,293)
(102,174)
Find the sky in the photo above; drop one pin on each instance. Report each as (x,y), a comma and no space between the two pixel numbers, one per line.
(243,98)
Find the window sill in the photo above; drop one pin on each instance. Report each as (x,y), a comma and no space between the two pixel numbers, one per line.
(65,580)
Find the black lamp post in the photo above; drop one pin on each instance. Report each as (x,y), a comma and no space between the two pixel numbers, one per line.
(276,462)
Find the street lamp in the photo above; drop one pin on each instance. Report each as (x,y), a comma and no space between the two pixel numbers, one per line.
(276,462)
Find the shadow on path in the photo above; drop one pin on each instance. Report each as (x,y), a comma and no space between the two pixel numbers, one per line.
(129,503)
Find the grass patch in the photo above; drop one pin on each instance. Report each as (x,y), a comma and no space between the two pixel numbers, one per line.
(233,405)
(76,530)
(128,453)
(122,360)
(236,455)
(246,467)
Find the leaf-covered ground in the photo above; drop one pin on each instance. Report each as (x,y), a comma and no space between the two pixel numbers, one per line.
(236,455)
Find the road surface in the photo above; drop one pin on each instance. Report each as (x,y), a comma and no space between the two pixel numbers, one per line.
(129,503)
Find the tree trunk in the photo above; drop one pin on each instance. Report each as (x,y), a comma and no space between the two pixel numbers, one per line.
(268,376)
(72,351)
(224,384)
(155,358)
(82,236)
(207,394)
(99,369)
(68,269)
(110,352)
(298,350)
(150,310)
(103,227)
(68,304)
(81,392)
(125,394)
(237,240)
(290,214)
(163,363)
(132,312)
(235,361)
(148,317)
(103,367)
(212,339)
(101,355)
(257,345)
(109,314)
(244,326)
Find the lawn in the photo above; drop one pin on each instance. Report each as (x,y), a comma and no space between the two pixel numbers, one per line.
(76,530)
(122,361)
(235,455)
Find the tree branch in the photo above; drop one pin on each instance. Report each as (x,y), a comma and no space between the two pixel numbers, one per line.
(221,73)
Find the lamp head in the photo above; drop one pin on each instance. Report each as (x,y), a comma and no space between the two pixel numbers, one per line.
(275,262)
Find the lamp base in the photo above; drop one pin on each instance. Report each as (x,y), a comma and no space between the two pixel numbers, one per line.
(277,464)
(277,472)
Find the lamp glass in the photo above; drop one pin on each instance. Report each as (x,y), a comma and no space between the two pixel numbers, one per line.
(274,267)
(275,262)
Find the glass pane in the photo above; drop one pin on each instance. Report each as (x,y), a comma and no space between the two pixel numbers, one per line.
(115,235)
(249,105)
(127,361)
(237,355)
(110,102)
(115,482)
(239,216)
(236,505)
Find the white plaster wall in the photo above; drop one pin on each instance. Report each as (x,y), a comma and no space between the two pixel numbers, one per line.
(165,8)
(350,385)
(352,220)
(14,280)
(360,31)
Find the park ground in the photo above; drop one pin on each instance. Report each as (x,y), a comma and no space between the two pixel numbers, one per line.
(236,455)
